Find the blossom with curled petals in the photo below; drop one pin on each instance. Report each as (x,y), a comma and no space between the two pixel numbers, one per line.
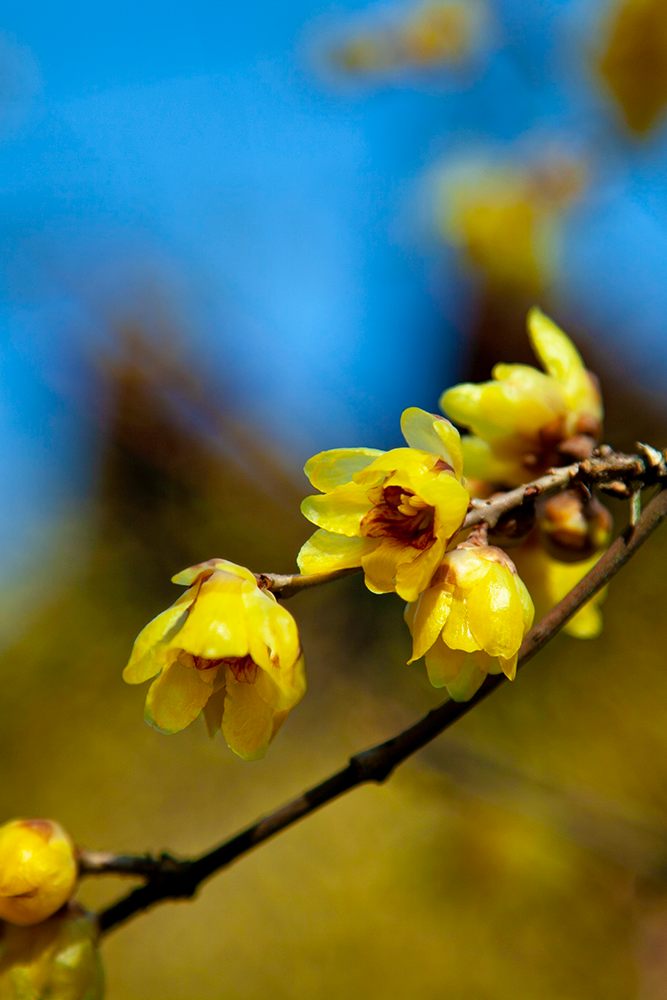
(392,513)
(523,417)
(472,619)
(226,649)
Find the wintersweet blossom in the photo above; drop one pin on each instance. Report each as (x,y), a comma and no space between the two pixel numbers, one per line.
(472,620)
(392,513)
(523,420)
(549,580)
(57,958)
(226,649)
(38,870)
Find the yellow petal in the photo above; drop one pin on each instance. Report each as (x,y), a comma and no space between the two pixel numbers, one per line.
(326,551)
(272,631)
(462,403)
(495,613)
(563,361)
(414,575)
(481,462)
(188,576)
(527,605)
(177,697)
(429,618)
(150,652)
(408,461)
(212,711)
(508,666)
(444,664)
(340,511)
(282,689)
(456,633)
(587,623)
(467,683)
(449,499)
(334,468)
(381,565)
(217,626)
(427,432)
(248,723)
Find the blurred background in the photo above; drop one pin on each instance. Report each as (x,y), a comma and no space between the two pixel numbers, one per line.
(235,235)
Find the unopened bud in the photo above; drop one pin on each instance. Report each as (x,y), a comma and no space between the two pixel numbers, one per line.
(37,870)
(57,958)
(573,527)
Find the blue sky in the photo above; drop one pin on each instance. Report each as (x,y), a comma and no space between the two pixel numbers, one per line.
(191,155)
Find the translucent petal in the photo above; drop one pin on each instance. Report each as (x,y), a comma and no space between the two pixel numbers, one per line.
(448,497)
(527,605)
(587,623)
(272,632)
(456,633)
(150,652)
(562,360)
(334,468)
(213,710)
(431,433)
(429,619)
(444,664)
(509,666)
(217,626)
(495,614)
(188,576)
(415,574)
(381,565)
(340,511)
(467,683)
(282,689)
(481,462)
(408,461)
(326,551)
(248,723)
(177,697)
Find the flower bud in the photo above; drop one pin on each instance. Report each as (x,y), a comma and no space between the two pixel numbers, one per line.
(572,527)
(38,870)
(57,958)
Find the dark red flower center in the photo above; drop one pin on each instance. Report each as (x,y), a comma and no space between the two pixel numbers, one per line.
(244,668)
(400,514)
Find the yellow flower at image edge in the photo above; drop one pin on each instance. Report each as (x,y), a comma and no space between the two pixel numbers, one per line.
(471,621)
(57,958)
(392,513)
(225,649)
(38,870)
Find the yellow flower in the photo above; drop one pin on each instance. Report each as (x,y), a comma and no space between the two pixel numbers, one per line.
(38,870)
(549,580)
(506,220)
(227,649)
(392,512)
(522,417)
(57,958)
(634,64)
(472,619)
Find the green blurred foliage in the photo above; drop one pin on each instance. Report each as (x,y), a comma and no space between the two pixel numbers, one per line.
(519,855)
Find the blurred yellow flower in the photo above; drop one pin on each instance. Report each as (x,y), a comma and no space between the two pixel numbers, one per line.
(521,418)
(393,513)
(227,649)
(573,527)
(506,220)
(549,580)
(634,63)
(472,619)
(438,32)
(57,958)
(38,870)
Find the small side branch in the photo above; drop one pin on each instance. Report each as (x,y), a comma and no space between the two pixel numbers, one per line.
(168,878)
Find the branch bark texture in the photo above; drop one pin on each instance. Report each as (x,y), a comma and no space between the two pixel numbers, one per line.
(170,878)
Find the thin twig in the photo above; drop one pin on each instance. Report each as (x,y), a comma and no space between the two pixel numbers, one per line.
(181,879)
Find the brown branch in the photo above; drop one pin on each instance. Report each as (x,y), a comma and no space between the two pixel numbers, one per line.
(168,878)
(603,467)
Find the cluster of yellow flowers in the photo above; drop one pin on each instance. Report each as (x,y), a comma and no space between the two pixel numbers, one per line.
(48,944)
(226,649)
